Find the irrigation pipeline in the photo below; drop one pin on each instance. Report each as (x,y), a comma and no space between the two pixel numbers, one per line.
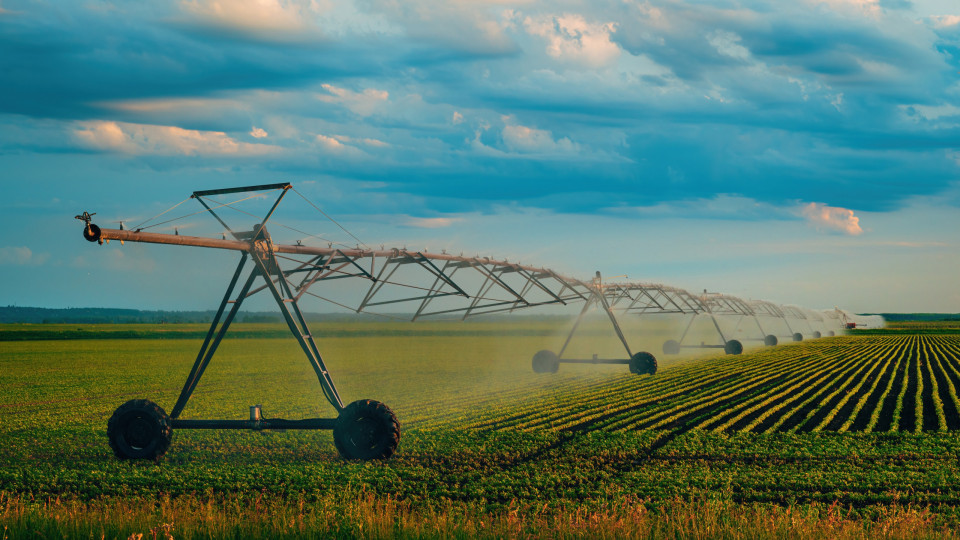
(530,286)
(571,289)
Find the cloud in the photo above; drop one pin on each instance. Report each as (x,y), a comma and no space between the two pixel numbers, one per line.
(274,19)
(946,21)
(340,146)
(831,217)
(432,223)
(723,206)
(530,140)
(360,103)
(454,28)
(169,105)
(144,139)
(329,142)
(258,133)
(571,38)
(21,256)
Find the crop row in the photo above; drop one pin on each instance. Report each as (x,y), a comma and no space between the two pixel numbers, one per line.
(875,383)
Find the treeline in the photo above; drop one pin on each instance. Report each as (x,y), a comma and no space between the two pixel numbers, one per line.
(32,315)
(35,315)
(919,317)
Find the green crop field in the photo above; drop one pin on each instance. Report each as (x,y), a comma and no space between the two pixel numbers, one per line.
(837,437)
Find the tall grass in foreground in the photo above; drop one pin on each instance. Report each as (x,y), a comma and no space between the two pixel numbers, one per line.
(331,516)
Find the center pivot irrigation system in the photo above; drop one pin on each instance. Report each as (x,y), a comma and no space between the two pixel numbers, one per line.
(434,284)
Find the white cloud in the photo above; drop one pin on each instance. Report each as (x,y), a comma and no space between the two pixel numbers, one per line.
(169,105)
(338,145)
(21,256)
(917,112)
(871,7)
(946,21)
(355,140)
(146,139)
(728,44)
(832,217)
(116,259)
(572,38)
(538,141)
(329,142)
(432,223)
(273,18)
(457,117)
(258,133)
(362,103)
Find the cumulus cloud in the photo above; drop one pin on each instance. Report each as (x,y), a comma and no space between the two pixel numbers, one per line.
(258,133)
(432,223)
(570,37)
(329,142)
(524,139)
(723,206)
(464,26)
(144,139)
(265,18)
(946,21)
(361,103)
(833,218)
(21,256)
(170,105)
(344,147)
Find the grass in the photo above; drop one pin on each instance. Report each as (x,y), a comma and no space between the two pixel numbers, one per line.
(489,447)
(371,517)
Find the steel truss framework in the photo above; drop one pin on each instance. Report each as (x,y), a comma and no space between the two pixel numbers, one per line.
(427,284)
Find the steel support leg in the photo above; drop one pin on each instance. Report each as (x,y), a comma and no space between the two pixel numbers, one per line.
(298,327)
(687,329)
(717,326)
(576,324)
(208,347)
(616,325)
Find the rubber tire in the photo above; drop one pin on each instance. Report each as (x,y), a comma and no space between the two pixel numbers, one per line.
(771,340)
(817,334)
(643,363)
(366,429)
(139,429)
(798,337)
(91,233)
(831,333)
(671,346)
(733,347)
(546,362)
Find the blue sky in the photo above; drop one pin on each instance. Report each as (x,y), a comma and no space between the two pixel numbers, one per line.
(803,152)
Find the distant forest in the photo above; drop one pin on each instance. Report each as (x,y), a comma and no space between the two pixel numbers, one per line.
(16,314)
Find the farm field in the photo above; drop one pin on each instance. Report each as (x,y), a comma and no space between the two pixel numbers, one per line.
(857,432)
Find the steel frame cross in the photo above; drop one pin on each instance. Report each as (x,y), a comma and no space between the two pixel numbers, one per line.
(267,267)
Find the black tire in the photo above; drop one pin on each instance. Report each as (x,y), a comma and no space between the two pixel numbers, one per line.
(798,337)
(733,347)
(139,429)
(643,363)
(366,429)
(817,334)
(831,333)
(91,233)
(771,340)
(546,362)
(671,346)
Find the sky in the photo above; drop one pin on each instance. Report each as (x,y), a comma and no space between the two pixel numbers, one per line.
(803,152)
